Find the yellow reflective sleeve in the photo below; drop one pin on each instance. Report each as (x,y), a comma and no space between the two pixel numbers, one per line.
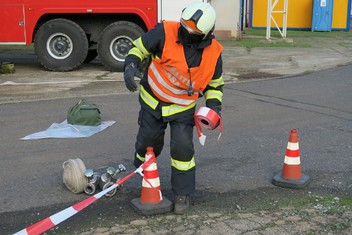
(216,82)
(140,46)
(135,51)
(213,94)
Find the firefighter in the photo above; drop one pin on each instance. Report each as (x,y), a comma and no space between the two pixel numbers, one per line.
(184,64)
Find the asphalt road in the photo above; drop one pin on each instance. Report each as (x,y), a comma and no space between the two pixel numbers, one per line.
(236,170)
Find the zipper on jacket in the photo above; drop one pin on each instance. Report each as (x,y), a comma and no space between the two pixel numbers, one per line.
(190,88)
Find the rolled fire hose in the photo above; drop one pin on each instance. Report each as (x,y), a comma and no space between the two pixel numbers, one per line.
(73,175)
(207,118)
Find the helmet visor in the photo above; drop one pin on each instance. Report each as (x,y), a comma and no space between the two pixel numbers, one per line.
(191,27)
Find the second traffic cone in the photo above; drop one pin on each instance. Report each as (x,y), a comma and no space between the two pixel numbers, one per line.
(151,201)
(291,175)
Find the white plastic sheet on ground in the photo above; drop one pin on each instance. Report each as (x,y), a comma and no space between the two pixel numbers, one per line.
(66,130)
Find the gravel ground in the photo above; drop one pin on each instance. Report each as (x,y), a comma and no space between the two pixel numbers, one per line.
(312,219)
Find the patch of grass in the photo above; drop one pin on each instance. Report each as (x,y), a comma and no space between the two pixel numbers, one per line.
(346,201)
(267,225)
(325,205)
(298,33)
(310,233)
(252,38)
(345,44)
(4,48)
(337,226)
(261,42)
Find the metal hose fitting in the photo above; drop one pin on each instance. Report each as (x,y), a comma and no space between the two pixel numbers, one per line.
(119,169)
(110,170)
(112,192)
(93,181)
(104,179)
(89,188)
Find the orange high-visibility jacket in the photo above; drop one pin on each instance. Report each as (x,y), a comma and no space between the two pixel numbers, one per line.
(169,76)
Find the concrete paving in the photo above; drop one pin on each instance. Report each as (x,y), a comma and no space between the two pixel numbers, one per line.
(32,82)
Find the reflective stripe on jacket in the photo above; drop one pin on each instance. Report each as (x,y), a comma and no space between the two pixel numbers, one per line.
(166,110)
(169,76)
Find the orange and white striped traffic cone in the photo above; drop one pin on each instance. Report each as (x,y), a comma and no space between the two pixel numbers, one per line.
(291,175)
(151,201)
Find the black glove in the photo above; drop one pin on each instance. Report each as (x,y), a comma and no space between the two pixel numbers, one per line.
(131,71)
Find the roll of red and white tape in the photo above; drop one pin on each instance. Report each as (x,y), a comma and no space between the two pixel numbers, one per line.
(207,118)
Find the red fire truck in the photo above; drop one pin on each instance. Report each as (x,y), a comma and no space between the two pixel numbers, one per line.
(67,33)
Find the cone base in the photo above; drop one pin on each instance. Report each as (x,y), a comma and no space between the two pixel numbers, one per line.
(164,206)
(291,183)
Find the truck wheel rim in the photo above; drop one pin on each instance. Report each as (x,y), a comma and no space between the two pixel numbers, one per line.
(59,46)
(119,47)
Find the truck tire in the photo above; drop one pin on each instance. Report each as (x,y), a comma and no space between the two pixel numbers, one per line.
(115,42)
(61,45)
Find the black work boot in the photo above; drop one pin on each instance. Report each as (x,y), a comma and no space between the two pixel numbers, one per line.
(181,204)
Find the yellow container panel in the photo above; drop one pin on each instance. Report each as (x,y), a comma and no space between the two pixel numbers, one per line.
(299,14)
(340,14)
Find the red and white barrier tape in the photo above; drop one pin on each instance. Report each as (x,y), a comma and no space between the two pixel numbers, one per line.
(63,215)
(207,118)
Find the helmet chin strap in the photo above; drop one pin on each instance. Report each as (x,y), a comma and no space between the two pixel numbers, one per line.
(189,38)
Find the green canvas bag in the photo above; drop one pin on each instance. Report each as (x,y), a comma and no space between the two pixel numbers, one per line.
(84,113)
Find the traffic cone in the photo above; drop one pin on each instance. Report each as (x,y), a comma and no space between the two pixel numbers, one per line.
(151,201)
(291,175)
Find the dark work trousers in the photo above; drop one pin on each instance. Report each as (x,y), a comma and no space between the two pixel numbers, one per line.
(151,133)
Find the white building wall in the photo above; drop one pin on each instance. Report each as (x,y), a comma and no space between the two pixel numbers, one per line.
(172,9)
(228,14)
(228,18)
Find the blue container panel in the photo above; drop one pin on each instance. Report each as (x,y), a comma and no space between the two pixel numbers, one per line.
(322,15)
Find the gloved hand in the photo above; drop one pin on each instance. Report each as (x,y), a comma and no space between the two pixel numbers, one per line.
(131,71)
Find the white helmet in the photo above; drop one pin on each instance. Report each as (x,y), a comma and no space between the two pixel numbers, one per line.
(198,18)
